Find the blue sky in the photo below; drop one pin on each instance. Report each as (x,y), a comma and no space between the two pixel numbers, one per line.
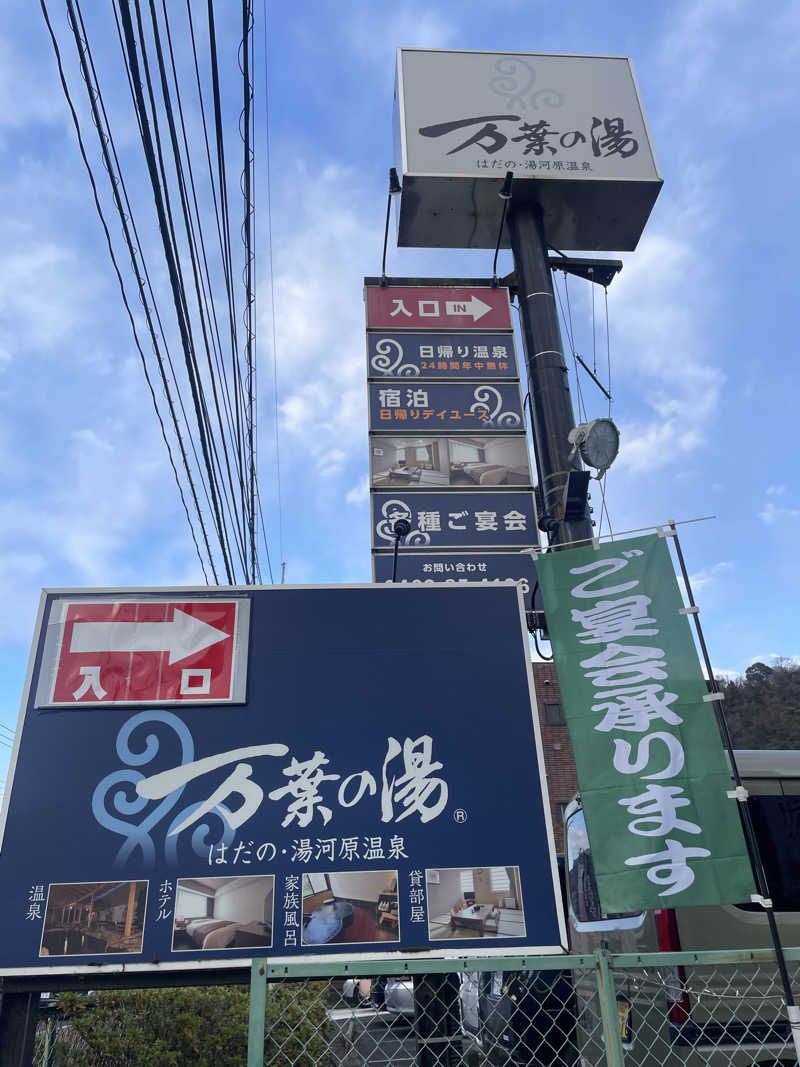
(703,317)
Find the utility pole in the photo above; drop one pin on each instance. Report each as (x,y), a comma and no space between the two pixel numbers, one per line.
(551,404)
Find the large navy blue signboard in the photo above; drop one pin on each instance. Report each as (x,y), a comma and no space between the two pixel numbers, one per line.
(198,778)
(426,407)
(437,355)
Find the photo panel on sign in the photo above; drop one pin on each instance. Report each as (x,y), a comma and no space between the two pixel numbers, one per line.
(350,907)
(441,355)
(459,407)
(93,918)
(465,903)
(442,462)
(478,518)
(216,913)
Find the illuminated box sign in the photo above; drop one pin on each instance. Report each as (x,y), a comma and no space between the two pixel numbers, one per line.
(571,129)
(438,308)
(454,407)
(494,519)
(436,355)
(347,807)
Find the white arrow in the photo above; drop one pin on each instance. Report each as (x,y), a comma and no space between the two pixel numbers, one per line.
(474,307)
(181,637)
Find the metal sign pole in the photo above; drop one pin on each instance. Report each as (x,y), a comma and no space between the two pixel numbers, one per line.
(551,404)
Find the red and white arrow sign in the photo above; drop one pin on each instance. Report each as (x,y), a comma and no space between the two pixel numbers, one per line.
(474,307)
(183,636)
(438,307)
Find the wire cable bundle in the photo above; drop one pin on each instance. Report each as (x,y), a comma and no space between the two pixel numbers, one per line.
(199,356)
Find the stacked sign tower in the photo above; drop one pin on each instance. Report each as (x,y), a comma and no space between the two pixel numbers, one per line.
(448,450)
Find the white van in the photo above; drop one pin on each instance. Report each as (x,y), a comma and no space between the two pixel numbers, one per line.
(711,1015)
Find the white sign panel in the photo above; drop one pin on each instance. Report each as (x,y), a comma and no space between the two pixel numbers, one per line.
(570,128)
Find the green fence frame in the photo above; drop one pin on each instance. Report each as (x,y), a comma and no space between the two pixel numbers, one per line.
(601,961)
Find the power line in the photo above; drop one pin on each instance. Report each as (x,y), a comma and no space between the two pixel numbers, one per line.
(275,391)
(118,273)
(166,228)
(215,430)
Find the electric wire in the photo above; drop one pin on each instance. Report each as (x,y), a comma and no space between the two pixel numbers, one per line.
(226,229)
(222,435)
(222,241)
(275,376)
(120,280)
(202,305)
(126,216)
(151,143)
(245,60)
(141,258)
(207,291)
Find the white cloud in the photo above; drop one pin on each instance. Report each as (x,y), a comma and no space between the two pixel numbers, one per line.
(320,318)
(707,575)
(375,32)
(89,437)
(716,51)
(771,514)
(46,291)
(359,492)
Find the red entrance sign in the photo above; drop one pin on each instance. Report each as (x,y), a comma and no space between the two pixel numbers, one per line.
(438,308)
(151,651)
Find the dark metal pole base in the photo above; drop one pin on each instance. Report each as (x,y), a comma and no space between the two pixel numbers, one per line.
(19,1014)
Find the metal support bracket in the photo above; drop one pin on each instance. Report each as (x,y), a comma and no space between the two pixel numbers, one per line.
(765,902)
(710,697)
(664,531)
(739,793)
(609,1013)
(693,610)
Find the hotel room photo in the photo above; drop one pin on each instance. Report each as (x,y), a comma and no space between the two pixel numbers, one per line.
(435,462)
(89,918)
(469,902)
(223,913)
(350,908)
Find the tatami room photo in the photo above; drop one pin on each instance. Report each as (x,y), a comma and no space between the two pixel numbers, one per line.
(88,918)
(223,913)
(470,902)
(350,907)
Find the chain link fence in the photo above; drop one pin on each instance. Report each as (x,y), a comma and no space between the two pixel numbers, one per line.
(724,1009)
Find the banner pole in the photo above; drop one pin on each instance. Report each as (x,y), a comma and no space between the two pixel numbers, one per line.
(756,862)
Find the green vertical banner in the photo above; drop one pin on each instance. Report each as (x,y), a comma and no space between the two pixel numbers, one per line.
(650,762)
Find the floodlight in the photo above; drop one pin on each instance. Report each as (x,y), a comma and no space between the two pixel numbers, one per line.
(598,443)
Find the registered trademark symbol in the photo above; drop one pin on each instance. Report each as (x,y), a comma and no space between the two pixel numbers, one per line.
(460,815)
